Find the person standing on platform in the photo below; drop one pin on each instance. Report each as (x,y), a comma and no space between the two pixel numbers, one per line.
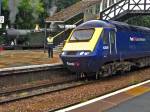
(50,44)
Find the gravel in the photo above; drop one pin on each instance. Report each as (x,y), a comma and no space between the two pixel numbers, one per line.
(76,95)
(15,58)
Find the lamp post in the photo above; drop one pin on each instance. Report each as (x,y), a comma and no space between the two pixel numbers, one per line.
(45,38)
(0,7)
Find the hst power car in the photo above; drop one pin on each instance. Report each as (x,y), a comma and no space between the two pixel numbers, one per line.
(105,47)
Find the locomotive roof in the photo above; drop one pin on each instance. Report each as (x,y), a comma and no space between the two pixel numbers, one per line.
(112,24)
(125,26)
(94,23)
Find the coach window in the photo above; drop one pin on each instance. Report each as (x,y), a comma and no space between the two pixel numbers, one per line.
(105,37)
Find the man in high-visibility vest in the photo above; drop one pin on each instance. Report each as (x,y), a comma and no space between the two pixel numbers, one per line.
(50,46)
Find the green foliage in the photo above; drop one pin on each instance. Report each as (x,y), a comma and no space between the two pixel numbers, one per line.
(33,11)
(25,6)
(2,40)
(5,4)
(140,21)
(29,12)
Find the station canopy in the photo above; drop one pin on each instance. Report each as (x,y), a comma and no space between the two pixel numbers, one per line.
(71,11)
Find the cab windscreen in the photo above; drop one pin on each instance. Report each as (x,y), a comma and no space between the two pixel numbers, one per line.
(82,35)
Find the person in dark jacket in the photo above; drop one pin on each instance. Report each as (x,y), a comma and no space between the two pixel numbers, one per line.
(50,46)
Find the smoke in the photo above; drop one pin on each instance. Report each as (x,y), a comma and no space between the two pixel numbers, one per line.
(13,10)
(51,7)
(51,10)
(34,4)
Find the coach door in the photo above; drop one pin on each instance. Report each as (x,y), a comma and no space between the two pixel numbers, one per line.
(106,46)
(112,43)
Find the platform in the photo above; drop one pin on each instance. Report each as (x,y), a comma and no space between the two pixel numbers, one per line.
(138,104)
(17,58)
(135,98)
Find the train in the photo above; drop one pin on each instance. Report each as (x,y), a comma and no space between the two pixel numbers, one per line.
(27,38)
(105,47)
(16,36)
(22,38)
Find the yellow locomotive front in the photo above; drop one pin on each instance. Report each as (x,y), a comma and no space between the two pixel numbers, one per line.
(79,53)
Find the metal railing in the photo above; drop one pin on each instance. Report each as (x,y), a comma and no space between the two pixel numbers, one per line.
(124,7)
(60,37)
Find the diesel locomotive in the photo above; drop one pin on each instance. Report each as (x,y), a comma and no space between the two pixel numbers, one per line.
(105,47)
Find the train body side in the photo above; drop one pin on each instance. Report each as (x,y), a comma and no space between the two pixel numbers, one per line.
(132,44)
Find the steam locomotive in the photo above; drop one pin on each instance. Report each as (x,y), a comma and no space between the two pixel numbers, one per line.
(23,38)
(16,36)
(105,47)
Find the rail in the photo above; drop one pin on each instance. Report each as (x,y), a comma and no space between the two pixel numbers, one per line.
(14,95)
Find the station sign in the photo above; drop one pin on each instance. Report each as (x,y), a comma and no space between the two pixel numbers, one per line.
(1,19)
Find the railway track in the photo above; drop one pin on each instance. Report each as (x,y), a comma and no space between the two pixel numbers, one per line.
(19,94)
(69,93)
(11,95)
(16,94)
(12,79)
(17,76)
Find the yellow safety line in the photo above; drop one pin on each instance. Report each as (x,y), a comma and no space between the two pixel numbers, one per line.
(138,91)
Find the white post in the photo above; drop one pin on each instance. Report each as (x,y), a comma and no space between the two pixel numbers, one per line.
(1,21)
(0,7)
(108,1)
(101,5)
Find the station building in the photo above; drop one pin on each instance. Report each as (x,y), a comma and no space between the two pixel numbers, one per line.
(93,11)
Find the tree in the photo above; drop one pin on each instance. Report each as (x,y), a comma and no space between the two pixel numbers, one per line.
(140,21)
(32,11)
(28,14)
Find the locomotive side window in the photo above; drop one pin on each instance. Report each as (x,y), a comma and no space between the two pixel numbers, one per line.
(105,37)
(112,37)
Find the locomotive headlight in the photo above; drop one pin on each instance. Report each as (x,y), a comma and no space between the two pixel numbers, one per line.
(63,53)
(84,53)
